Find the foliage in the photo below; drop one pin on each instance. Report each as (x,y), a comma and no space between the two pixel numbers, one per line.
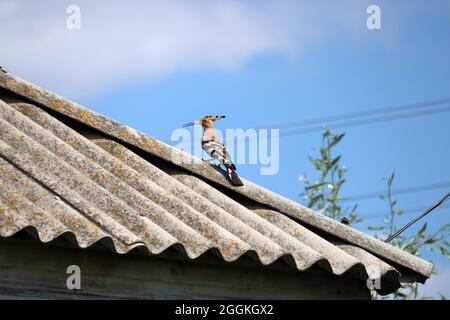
(324,195)
(416,243)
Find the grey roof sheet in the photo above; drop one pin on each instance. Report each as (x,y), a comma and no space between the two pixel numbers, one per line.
(55,179)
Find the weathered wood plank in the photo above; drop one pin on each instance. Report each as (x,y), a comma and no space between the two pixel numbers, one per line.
(34,270)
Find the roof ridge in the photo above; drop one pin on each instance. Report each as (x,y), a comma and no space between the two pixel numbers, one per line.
(250,190)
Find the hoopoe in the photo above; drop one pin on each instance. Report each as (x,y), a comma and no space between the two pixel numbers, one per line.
(215,148)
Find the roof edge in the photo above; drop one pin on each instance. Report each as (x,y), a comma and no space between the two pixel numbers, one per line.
(186,161)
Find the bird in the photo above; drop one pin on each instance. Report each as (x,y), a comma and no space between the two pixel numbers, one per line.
(215,148)
(3,70)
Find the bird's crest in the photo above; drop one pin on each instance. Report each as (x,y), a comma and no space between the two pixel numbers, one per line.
(208,121)
(205,122)
(212,118)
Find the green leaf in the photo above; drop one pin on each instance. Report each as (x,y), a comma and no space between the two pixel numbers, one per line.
(315,199)
(323,153)
(336,160)
(316,163)
(422,230)
(315,186)
(391,178)
(336,140)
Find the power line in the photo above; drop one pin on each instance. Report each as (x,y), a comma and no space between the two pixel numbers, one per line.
(295,132)
(372,195)
(406,212)
(436,205)
(345,120)
(353,115)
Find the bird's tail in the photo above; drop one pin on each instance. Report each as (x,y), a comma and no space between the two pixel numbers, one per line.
(234,178)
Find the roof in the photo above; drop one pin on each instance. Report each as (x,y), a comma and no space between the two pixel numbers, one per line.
(66,170)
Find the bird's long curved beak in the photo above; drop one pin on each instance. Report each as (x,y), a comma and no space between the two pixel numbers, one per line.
(190,124)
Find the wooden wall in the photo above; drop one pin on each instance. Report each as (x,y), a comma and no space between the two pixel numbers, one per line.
(30,269)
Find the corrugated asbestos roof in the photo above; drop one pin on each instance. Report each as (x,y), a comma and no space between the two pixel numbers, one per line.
(55,179)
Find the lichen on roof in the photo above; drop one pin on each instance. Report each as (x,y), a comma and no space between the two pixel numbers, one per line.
(56,180)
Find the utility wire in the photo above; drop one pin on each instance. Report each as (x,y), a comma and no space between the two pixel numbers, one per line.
(406,212)
(437,204)
(353,115)
(318,122)
(373,195)
(354,123)
(301,131)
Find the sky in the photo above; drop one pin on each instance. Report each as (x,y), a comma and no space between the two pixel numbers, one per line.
(155,65)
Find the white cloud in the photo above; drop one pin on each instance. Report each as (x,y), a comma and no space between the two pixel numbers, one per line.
(129,41)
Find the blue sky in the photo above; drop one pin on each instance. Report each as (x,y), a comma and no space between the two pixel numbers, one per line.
(157,66)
